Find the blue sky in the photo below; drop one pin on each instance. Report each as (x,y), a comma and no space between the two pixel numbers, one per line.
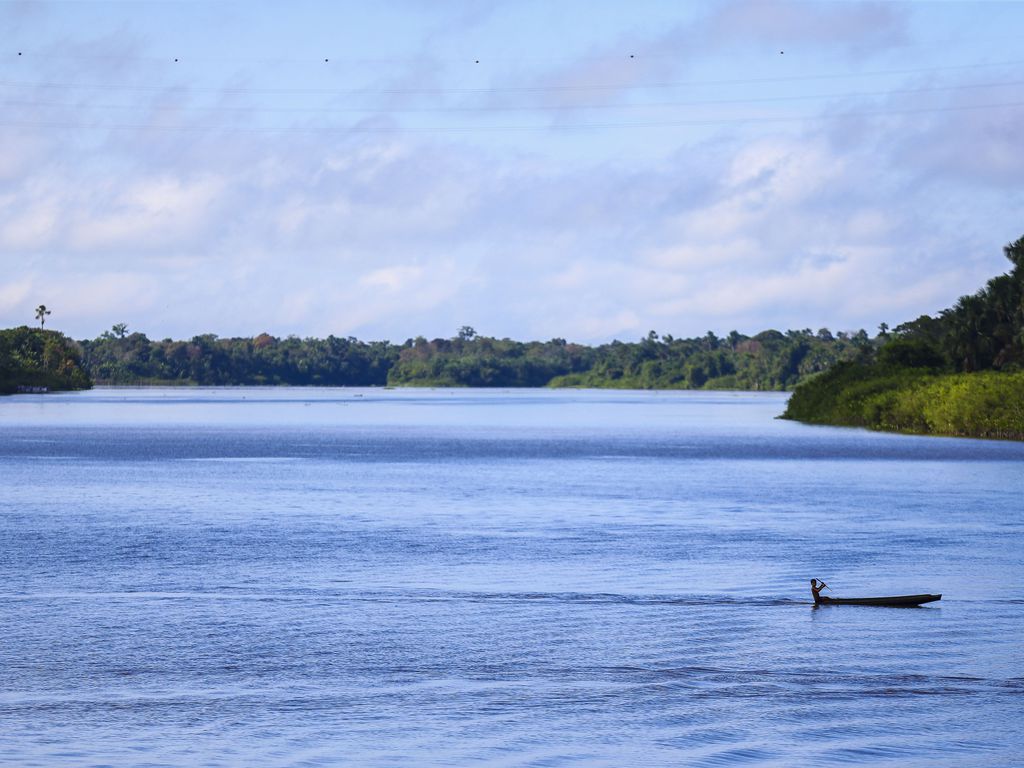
(587,170)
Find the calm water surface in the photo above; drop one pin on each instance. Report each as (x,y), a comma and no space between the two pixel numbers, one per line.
(517,578)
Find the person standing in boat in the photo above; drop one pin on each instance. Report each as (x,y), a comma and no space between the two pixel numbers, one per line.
(816,587)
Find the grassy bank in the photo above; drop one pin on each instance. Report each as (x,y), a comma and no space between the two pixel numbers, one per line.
(920,401)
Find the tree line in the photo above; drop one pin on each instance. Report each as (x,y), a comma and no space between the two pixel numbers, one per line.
(771,360)
(263,360)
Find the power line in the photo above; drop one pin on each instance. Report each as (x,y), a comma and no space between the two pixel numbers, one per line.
(516,128)
(543,107)
(504,89)
(329,57)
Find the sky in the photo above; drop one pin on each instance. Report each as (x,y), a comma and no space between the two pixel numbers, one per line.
(589,170)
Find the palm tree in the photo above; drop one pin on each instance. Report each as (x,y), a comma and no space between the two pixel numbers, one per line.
(41,313)
(966,337)
(1003,299)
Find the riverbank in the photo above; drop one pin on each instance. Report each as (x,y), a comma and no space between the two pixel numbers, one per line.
(986,404)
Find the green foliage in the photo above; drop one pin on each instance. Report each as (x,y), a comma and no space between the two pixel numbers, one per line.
(984,331)
(958,374)
(262,360)
(470,360)
(33,358)
(769,361)
(911,353)
(986,404)
(848,394)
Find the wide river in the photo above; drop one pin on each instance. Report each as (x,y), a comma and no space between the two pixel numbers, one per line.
(303,577)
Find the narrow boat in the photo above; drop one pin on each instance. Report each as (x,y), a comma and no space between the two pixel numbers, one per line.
(896,600)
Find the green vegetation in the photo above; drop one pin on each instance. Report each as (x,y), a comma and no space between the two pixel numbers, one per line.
(34,359)
(769,361)
(469,360)
(121,358)
(961,373)
(982,404)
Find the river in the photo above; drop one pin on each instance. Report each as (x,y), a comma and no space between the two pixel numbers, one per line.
(282,577)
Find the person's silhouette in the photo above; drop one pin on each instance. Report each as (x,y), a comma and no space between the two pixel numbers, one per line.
(816,587)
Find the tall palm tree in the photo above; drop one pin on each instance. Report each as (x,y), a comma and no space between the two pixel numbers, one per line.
(41,313)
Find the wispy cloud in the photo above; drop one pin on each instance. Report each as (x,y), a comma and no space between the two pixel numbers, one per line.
(610,71)
(851,28)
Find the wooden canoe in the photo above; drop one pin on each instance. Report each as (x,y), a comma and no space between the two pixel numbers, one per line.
(896,600)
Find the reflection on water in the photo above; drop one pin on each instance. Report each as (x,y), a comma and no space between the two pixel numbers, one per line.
(321,577)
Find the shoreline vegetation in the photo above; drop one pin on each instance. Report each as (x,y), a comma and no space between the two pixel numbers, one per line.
(768,361)
(36,360)
(960,373)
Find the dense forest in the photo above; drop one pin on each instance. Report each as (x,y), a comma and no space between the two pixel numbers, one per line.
(33,359)
(770,361)
(960,373)
(117,357)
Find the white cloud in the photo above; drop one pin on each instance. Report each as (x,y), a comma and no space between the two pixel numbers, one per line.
(399,292)
(19,153)
(31,228)
(976,146)
(853,28)
(15,295)
(147,213)
(396,278)
(608,72)
(695,258)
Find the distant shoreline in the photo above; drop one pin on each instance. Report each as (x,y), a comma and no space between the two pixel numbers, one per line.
(768,361)
(410,387)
